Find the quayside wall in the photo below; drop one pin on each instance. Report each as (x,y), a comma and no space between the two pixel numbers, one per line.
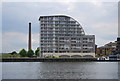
(54,60)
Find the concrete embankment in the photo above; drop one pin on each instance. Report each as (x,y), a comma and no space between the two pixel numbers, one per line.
(55,60)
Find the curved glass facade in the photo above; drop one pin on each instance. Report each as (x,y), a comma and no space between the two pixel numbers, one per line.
(63,34)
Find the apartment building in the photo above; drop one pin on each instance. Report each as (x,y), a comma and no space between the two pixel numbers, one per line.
(107,49)
(62,35)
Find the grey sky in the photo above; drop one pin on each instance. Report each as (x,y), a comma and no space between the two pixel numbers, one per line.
(119,20)
(98,18)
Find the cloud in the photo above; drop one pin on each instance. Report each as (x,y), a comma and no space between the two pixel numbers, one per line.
(119,19)
(97,4)
(35,40)
(16,41)
(101,41)
(13,41)
(0,28)
(99,18)
(105,32)
(59,0)
(15,17)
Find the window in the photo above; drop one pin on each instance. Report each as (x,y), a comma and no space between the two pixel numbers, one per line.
(84,45)
(84,38)
(85,51)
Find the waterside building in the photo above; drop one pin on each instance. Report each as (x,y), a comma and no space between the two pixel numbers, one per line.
(107,49)
(63,36)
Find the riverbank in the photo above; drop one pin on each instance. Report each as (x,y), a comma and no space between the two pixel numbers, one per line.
(55,60)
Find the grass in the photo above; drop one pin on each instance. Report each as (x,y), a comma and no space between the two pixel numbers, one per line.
(73,57)
(5,55)
(11,56)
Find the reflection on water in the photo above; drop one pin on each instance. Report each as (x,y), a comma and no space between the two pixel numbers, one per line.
(60,70)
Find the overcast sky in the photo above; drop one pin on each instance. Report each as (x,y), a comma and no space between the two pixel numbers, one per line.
(96,18)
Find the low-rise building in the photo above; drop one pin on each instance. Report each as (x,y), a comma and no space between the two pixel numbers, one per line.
(107,49)
(118,45)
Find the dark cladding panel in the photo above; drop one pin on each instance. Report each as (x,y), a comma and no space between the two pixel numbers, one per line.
(118,45)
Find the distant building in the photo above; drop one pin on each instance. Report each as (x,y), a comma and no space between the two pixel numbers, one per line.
(62,35)
(118,45)
(107,49)
(95,49)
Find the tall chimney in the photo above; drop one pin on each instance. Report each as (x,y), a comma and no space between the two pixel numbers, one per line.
(29,39)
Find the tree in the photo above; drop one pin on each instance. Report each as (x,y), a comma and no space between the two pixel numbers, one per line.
(37,52)
(30,53)
(23,53)
(13,53)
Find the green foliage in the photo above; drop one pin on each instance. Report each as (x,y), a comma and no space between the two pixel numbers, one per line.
(8,55)
(37,52)
(50,57)
(13,53)
(23,53)
(30,53)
